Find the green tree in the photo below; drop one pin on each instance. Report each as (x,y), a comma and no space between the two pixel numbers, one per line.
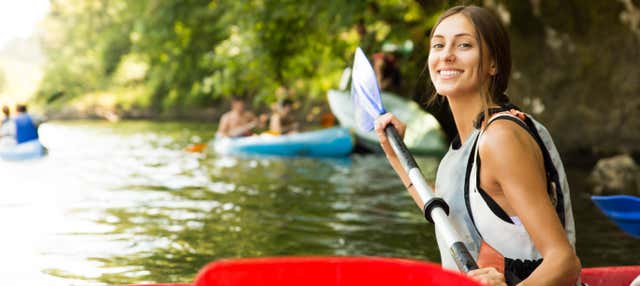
(195,52)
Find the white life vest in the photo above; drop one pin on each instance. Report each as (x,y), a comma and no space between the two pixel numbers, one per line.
(506,234)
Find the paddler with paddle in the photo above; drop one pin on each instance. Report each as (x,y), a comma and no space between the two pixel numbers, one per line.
(502,197)
(238,122)
(282,121)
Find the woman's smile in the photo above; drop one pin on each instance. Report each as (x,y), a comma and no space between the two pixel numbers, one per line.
(449,73)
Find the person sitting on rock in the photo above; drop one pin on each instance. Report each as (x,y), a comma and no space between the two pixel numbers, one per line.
(238,122)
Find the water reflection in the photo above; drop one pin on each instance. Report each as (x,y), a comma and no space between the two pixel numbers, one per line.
(259,207)
(124,204)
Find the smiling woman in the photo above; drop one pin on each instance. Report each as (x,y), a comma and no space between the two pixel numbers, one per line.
(513,210)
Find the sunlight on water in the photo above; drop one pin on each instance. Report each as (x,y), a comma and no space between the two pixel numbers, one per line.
(124,203)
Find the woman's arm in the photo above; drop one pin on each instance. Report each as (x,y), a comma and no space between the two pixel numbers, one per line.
(512,162)
(380,124)
(274,123)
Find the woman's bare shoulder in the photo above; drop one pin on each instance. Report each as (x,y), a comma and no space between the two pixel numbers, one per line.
(507,140)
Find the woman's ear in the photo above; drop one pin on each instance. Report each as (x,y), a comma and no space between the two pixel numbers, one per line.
(492,69)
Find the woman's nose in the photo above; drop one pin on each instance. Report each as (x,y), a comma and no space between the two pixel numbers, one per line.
(448,55)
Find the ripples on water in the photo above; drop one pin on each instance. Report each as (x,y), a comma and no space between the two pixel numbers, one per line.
(124,204)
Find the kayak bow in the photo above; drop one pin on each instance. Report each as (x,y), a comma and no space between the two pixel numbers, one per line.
(623,210)
(24,151)
(370,271)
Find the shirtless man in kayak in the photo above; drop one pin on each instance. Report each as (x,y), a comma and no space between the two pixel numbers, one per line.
(238,122)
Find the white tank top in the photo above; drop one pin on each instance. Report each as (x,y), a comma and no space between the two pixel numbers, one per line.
(511,238)
(506,234)
(450,186)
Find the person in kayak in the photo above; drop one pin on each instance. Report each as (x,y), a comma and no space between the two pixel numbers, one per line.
(7,114)
(26,127)
(7,129)
(502,177)
(238,122)
(282,121)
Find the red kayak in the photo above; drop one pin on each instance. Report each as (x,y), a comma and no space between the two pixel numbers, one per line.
(610,276)
(369,271)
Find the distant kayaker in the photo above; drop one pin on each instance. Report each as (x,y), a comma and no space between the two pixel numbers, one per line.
(7,129)
(282,121)
(264,120)
(7,114)
(237,122)
(26,127)
(502,177)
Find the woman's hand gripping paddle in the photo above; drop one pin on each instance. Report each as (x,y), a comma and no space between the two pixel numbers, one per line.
(368,105)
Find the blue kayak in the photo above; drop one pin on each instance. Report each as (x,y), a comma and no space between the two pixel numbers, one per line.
(24,151)
(332,142)
(623,210)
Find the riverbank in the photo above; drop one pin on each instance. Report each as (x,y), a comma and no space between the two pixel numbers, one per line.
(118,113)
(135,103)
(132,104)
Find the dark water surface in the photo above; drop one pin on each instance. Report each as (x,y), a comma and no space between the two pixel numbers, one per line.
(122,203)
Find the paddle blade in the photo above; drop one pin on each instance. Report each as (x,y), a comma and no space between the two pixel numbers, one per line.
(365,92)
(196,148)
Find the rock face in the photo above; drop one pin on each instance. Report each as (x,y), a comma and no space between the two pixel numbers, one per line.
(616,175)
(576,68)
(579,72)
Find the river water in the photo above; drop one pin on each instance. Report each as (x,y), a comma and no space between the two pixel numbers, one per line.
(123,203)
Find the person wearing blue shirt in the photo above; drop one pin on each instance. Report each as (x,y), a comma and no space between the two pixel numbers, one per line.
(26,128)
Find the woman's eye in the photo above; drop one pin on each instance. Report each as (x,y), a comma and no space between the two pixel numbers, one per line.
(437,46)
(464,45)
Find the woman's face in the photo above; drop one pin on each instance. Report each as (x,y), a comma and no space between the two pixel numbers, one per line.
(454,57)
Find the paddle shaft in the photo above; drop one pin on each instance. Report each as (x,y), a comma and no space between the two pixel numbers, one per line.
(435,209)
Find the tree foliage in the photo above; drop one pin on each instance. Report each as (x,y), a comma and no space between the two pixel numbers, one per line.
(194,52)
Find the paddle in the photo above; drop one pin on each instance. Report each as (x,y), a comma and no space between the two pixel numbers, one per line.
(368,105)
(196,147)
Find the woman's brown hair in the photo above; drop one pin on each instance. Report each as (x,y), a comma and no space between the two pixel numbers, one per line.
(490,33)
